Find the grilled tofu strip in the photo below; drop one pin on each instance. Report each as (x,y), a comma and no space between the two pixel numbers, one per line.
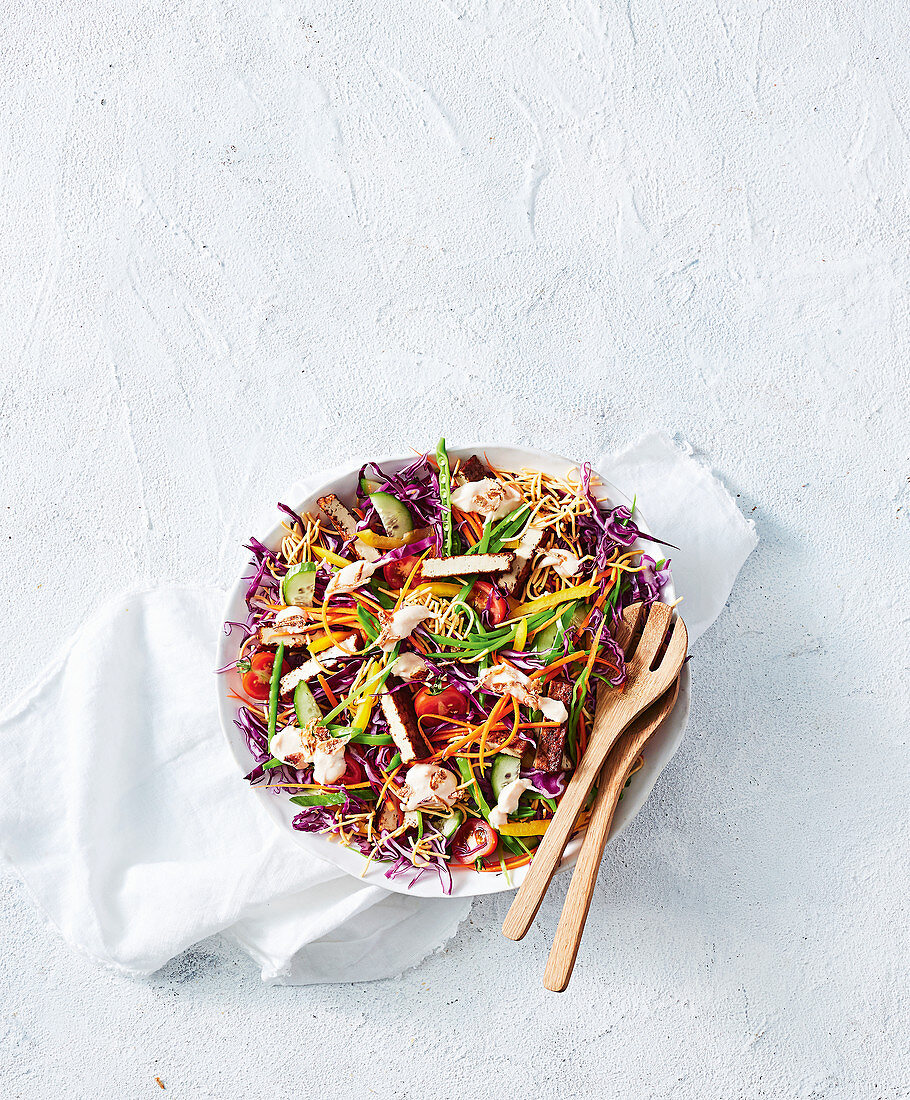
(548,757)
(345,523)
(327,660)
(399,713)
(472,470)
(516,576)
(464,565)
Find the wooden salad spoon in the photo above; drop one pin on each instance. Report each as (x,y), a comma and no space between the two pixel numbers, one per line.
(615,711)
(613,778)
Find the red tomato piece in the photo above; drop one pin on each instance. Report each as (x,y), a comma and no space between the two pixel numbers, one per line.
(476,839)
(484,597)
(353,773)
(396,573)
(448,702)
(257,679)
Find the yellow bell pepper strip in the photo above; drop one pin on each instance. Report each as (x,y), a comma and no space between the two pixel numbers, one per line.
(387,542)
(437,588)
(521,636)
(364,710)
(525,828)
(328,555)
(539,827)
(325,641)
(554,599)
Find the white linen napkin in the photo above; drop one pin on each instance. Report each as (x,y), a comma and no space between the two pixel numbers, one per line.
(122,810)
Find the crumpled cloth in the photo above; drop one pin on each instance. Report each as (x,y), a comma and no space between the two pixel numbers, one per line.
(123,813)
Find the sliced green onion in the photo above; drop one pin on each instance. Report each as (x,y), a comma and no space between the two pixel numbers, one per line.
(372,739)
(273,690)
(445,495)
(322,798)
(506,529)
(369,623)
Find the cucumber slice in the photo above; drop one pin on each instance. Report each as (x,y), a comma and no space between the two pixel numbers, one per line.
(396,519)
(549,641)
(305,705)
(450,824)
(546,639)
(505,771)
(370,485)
(298,586)
(578,615)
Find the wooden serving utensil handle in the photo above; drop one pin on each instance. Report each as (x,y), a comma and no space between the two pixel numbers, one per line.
(548,855)
(584,878)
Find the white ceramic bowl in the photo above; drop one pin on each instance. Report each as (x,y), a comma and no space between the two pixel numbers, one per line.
(465,882)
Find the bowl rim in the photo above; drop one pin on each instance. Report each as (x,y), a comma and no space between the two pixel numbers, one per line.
(466,882)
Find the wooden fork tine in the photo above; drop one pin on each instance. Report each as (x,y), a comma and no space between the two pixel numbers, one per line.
(679,641)
(625,628)
(659,616)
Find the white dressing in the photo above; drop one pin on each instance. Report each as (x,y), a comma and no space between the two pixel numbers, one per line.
(350,577)
(311,745)
(508,802)
(398,626)
(428,786)
(408,666)
(490,498)
(564,562)
(502,679)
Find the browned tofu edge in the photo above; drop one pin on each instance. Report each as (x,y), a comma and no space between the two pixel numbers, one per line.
(512,580)
(548,757)
(399,713)
(472,470)
(345,523)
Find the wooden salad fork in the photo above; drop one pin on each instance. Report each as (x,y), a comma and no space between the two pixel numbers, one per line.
(613,778)
(615,711)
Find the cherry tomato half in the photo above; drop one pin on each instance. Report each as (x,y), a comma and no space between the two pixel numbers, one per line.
(257,679)
(474,840)
(448,702)
(353,773)
(485,598)
(396,573)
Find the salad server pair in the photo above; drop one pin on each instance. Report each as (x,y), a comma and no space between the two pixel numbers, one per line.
(655,641)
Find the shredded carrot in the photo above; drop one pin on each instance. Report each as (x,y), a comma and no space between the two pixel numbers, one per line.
(495,713)
(330,695)
(509,864)
(388,783)
(471,523)
(558,663)
(593,655)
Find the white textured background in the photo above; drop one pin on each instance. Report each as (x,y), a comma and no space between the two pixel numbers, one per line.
(243,239)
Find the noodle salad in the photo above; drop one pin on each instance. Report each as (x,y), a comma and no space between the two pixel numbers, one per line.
(419,664)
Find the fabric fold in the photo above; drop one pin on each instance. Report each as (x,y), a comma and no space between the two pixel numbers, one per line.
(122,810)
